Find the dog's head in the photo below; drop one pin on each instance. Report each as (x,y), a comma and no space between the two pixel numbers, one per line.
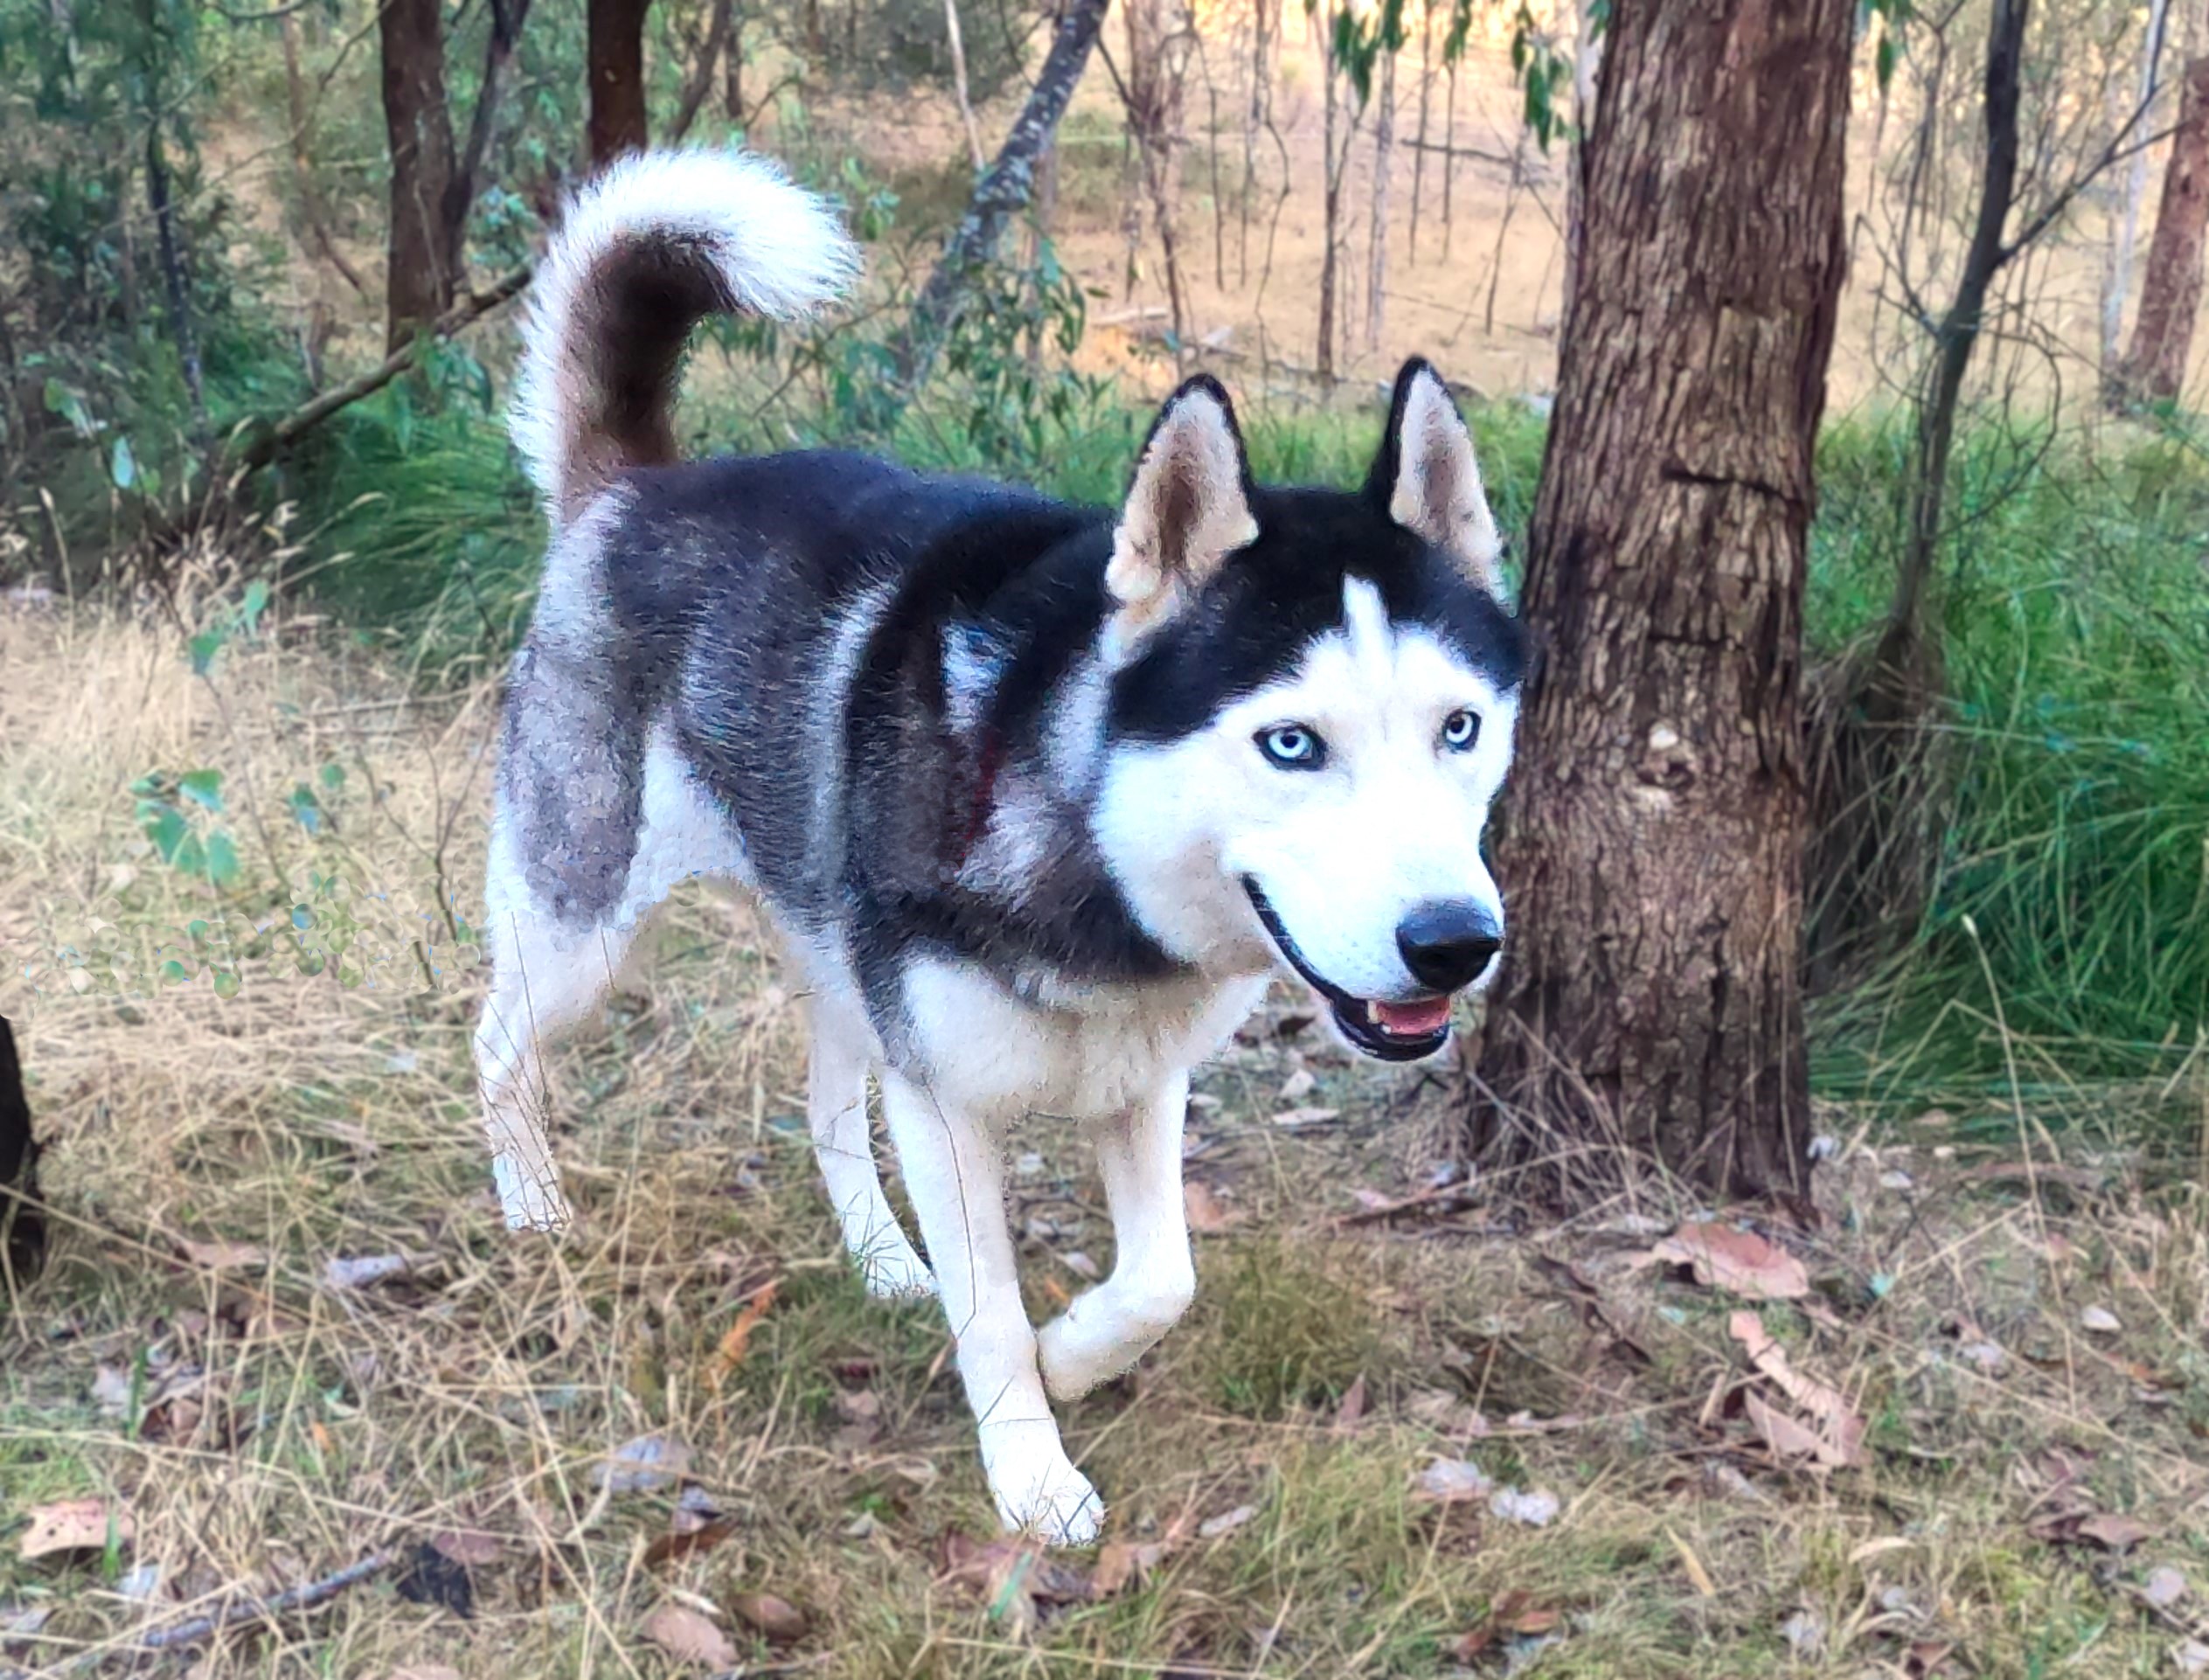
(1312,697)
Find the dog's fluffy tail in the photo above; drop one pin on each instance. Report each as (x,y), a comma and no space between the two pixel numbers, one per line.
(647,251)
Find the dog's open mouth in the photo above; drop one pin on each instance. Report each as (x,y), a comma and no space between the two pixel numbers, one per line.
(1389,1032)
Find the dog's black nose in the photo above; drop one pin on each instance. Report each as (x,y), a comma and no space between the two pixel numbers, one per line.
(1447,942)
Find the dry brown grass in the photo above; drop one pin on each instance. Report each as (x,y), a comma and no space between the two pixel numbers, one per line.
(265,1428)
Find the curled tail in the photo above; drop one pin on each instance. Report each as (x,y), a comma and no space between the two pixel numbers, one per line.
(647,251)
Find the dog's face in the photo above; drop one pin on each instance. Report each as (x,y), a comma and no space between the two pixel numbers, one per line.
(1312,704)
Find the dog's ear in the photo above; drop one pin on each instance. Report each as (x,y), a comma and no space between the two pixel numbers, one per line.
(1187,511)
(1426,478)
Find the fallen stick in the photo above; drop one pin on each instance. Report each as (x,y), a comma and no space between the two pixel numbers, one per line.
(304,1597)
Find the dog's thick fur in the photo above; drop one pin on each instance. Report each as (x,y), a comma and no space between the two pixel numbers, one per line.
(1039,796)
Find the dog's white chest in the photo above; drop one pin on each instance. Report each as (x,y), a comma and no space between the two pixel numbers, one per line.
(1002,1057)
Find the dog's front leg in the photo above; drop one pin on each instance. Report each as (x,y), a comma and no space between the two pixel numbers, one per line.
(955,1178)
(1153,1280)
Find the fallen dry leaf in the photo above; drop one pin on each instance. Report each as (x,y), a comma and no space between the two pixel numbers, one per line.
(1294,1117)
(2099,1319)
(689,1637)
(1514,1613)
(687,1541)
(730,1354)
(1297,1085)
(468,1546)
(781,1621)
(643,1465)
(223,1256)
(1740,1261)
(1011,1576)
(1839,1429)
(1206,1217)
(1787,1437)
(2113,1532)
(1699,1577)
(1352,1410)
(2191,1656)
(76,1526)
(428,1671)
(1450,1480)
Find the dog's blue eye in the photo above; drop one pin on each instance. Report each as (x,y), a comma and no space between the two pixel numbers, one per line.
(1292,746)
(1460,729)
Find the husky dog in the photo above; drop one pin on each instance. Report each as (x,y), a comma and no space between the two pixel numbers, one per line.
(1039,796)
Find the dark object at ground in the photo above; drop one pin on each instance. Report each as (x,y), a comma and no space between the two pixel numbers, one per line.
(22,1223)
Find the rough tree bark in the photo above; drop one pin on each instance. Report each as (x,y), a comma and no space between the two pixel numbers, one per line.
(1004,192)
(1651,1000)
(2155,366)
(701,78)
(615,29)
(423,266)
(2117,284)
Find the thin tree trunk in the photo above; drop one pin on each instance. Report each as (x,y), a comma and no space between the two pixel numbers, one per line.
(2119,285)
(618,122)
(1450,158)
(1418,152)
(312,210)
(160,201)
(2171,279)
(1003,192)
(507,16)
(701,78)
(1903,677)
(423,260)
(1651,1006)
(1324,360)
(959,81)
(733,82)
(1383,162)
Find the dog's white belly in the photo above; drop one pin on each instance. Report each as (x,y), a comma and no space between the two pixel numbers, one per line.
(988,1052)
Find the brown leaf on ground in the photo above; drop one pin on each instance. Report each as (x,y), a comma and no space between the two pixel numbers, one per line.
(1789,1438)
(1351,1411)
(688,1542)
(1206,1217)
(1740,1261)
(1514,1613)
(689,1637)
(1227,1523)
(1840,1430)
(224,1256)
(1011,1576)
(781,1621)
(738,1341)
(2113,1532)
(76,1526)
(1122,1561)
(472,1547)
(426,1671)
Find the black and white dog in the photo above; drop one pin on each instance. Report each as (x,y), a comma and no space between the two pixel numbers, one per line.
(1040,797)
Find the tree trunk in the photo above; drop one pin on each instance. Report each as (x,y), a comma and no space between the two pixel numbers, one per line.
(2155,367)
(701,78)
(1418,152)
(2118,284)
(1003,192)
(423,266)
(1331,172)
(959,80)
(615,47)
(1383,162)
(1652,1004)
(732,79)
(169,244)
(498,53)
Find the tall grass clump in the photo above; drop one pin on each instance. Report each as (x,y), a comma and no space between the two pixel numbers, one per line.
(2065,930)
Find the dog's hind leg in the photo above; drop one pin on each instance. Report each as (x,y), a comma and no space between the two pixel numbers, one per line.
(955,1178)
(1153,1280)
(836,1105)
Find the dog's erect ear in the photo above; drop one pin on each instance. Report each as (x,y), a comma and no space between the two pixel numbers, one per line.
(1188,509)
(1427,480)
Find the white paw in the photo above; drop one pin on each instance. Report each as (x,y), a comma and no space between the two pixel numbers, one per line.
(531,1202)
(1039,1492)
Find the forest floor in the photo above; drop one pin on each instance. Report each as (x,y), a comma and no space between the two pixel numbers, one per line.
(1949,1422)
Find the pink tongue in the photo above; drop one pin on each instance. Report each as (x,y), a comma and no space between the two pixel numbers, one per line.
(1412,1020)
